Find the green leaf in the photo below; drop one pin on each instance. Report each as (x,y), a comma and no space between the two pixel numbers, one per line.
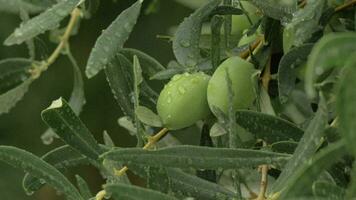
(277,9)
(346,98)
(150,66)
(267,127)
(47,20)
(167,73)
(333,50)
(130,192)
(107,140)
(216,24)
(40,169)
(61,158)
(148,117)
(9,99)
(181,183)
(328,190)
(112,39)
(286,70)
(13,72)
(76,100)
(308,145)
(284,147)
(300,182)
(305,23)
(62,119)
(127,123)
(14,6)
(186,39)
(186,156)
(119,74)
(83,187)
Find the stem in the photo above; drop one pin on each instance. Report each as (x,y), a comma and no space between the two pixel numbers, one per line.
(64,40)
(100,195)
(266,78)
(346,5)
(264,181)
(151,141)
(252,47)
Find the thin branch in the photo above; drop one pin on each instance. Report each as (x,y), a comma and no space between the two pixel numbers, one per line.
(346,5)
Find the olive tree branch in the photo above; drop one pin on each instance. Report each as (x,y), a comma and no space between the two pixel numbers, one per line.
(346,5)
(36,72)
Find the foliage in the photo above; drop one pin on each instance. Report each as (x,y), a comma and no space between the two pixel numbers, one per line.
(297,131)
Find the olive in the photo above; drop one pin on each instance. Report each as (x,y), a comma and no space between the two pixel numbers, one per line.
(183,101)
(240,73)
(241,22)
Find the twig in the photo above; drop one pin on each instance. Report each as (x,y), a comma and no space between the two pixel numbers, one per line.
(151,141)
(346,5)
(64,40)
(264,180)
(252,47)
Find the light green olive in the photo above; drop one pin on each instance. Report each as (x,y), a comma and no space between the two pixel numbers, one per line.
(241,22)
(183,100)
(240,73)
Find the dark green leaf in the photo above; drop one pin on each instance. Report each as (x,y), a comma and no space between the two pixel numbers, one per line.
(300,181)
(267,127)
(40,169)
(197,157)
(277,9)
(167,73)
(130,192)
(333,50)
(14,6)
(62,119)
(186,39)
(61,158)
(112,39)
(216,24)
(286,70)
(83,188)
(306,148)
(9,99)
(47,20)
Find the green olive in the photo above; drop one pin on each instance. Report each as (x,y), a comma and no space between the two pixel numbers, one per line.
(240,73)
(241,22)
(182,102)
(300,71)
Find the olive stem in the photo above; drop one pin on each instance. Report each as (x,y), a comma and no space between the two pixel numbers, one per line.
(252,47)
(64,41)
(100,195)
(266,78)
(346,5)
(264,180)
(151,141)
(303,3)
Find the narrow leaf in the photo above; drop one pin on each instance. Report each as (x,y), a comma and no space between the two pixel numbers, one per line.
(47,20)
(147,116)
(61,158)
(130,192)
(83,188)
(267,127)
(40,169)
(197,157)
(14,6)
(112,39)
(186,39)
(62,119)
(328,190)
(9,99)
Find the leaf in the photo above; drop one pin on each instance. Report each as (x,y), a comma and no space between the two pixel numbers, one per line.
(107,140)
(127,123)
(130,192)
(186,39)
(267,127)
(333,50)
(61,158)
(167,73)
(14,6)
(300,182)
(119,74)
(150,66)
(286,70)
(277,9)
(112,39)
(9,99)
(305,23)
(13,72)
(47,20)
(148,117)
(83,187)
(216,24)
(76,101)
(40,169)
(346,98)
(328,190)
(62,119)
(306,148)
(284,147)
(185,156)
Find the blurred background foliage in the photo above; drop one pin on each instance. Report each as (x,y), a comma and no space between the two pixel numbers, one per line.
(22,127)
